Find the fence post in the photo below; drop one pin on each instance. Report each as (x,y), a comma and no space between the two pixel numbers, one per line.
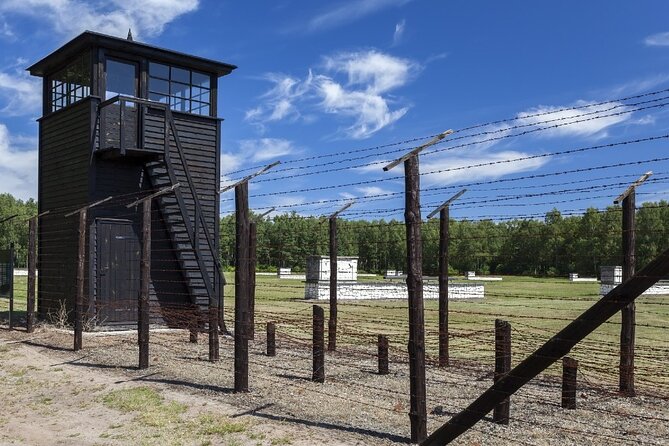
(251,330)
(318,372)
(10,279)
(145,280)
(569,372)
(32,269)
(444,238)
(242,254)
(443,287)
(79,300)
(412,219)
(271,339)
(502,366)
(628,323)
(332,322)
(383,355)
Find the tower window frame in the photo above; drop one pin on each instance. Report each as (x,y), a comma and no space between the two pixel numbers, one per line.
(184,89)
(70,84)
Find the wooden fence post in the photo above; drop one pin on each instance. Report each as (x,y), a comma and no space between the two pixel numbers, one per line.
(318,372)
(383,355)
(32,270)
(252,281)
(145,280)
(569,372)
(10,279)
(79,299)
(628,322)
(242,287)
(444,359)
(271,339)
(444,238)
(502,366)
(332,321)
(412,219)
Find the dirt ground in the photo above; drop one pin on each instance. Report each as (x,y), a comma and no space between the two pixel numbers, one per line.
(52,395)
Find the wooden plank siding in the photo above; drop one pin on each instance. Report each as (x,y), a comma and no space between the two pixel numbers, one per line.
(64,156)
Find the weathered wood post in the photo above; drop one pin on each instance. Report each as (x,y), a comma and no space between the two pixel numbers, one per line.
(502,367)
(242,277)
(143,309)
(242,286)
(318,369)
(145,281)
(383,355)
(332,321)
(412,218)
(444,237)
(32,274)
(10,279)
(81,270)
(628,322)
(552,350)
(569,372)
(252,280)
(271,339)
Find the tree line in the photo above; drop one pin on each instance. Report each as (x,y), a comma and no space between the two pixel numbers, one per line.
(553,246)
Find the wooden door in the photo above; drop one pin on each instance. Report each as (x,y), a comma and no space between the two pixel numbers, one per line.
(118,257)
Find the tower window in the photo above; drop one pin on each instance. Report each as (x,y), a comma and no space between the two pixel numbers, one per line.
(71,84)
(184,90)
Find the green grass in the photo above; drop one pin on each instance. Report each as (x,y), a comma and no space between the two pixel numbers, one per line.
(537,309)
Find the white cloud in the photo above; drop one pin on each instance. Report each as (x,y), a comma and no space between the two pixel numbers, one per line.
(71,17)
(362,95)
(659,39)
(568,120)
(476,173)
(20,94)
(399,32)
(349,12)
(264,149)
(368,191)
(18,167)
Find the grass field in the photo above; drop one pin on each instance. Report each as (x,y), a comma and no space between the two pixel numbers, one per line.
(537,308)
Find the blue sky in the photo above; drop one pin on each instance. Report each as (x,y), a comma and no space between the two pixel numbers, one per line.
(326,79)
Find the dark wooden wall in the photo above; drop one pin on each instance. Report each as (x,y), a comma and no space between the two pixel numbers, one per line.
(64,156)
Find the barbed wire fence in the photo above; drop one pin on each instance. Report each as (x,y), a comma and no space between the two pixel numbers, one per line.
(271,314)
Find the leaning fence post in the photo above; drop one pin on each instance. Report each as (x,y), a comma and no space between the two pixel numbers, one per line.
(32,269)
(383,355)
(569,372)
(318,374)
(502,366)
(271,339)
(250,314)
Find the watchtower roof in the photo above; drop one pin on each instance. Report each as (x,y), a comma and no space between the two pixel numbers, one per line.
(89,39)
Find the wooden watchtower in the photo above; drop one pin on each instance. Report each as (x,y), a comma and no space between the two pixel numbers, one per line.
(122,119)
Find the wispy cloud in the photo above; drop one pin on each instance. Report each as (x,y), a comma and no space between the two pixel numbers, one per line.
(399,32)
(659,39)
(18,165)
(349,12)
(351,85)
(264,149)
(368,191)
(443,176)
(20,94)
(576,122)
(71,17)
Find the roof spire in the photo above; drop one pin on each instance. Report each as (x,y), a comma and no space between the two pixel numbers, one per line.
(130,35)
